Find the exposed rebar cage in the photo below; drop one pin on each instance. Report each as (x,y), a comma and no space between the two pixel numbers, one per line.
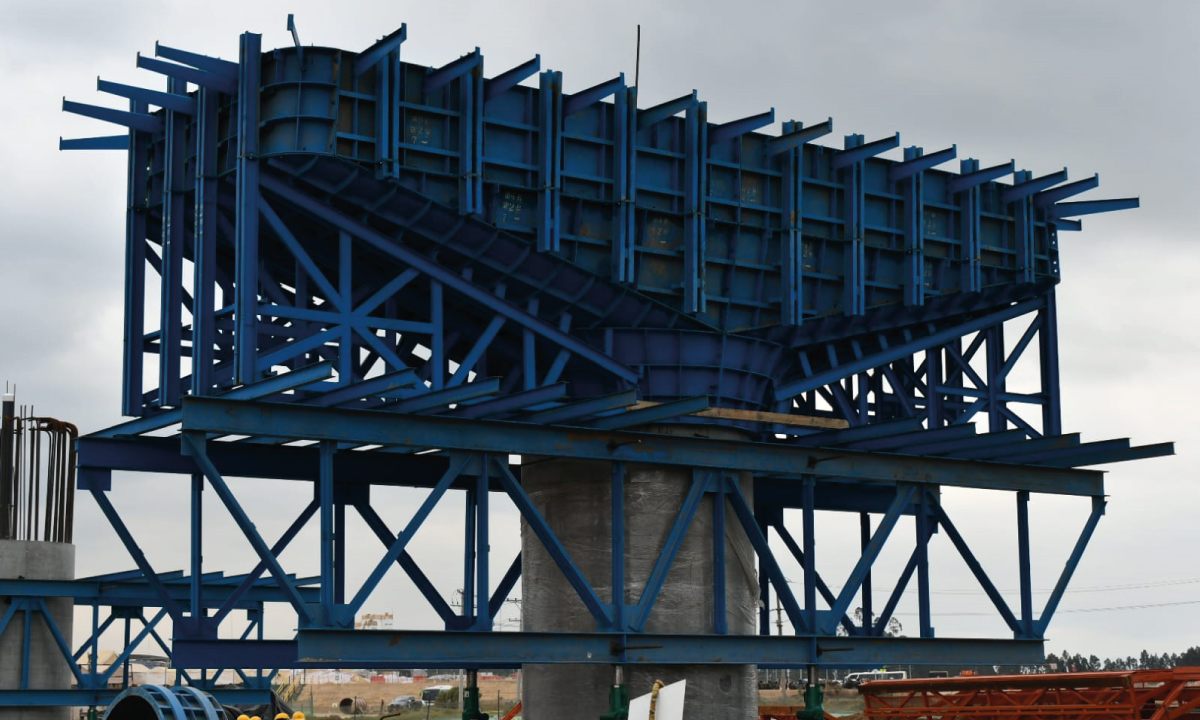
(37,476)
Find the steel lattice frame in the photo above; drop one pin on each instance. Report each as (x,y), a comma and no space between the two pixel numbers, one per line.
(413,258)
(1123,695)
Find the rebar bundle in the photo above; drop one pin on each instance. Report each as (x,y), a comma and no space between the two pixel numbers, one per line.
(37,476)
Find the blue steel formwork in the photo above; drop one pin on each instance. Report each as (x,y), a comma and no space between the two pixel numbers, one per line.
(384,258)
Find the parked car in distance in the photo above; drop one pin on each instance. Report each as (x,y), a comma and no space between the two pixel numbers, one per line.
(405,702)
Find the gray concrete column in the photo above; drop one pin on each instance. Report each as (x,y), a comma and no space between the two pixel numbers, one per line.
(575,498)
(48,670)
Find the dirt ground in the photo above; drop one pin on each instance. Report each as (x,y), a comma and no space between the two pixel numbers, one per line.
(843,703)
(319,702)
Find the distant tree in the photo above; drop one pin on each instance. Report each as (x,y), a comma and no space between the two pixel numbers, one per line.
(892,629)
(1054,663)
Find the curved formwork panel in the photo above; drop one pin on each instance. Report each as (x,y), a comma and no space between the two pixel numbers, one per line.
(382,215)
(155,702)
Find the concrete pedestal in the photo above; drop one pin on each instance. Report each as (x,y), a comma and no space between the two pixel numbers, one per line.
(575,498)
(48,670)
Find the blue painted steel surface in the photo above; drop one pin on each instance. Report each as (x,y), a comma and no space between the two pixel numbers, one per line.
(578,234)
(432,649)
(166,703)
(397,258)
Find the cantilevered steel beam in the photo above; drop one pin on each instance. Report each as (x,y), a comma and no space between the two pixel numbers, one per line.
(225,417)
(85,592)
(489,649)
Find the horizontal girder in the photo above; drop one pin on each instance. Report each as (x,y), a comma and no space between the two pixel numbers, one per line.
(208,415)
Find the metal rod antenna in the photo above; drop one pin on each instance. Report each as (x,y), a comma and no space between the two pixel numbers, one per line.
(637,62)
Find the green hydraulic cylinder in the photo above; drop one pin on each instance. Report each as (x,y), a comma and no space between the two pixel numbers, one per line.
(470,698)
(618,699)
(814,698)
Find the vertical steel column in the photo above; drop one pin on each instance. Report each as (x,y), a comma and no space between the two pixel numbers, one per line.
(914,233)
(437,357)
(171,311)
(483,619)
(475,80)
(325,497)
(470,538)
(1048,345)
(694,199)
(529,351)
(204,247)
(466,136)
(792,252)
(197,583)
(720,620)
(1023,561)
(969,230)
(854,270)
(624,156)
(764,584)
(995,380)
(862,398)
(549,127)
(618,544)
(339,552)
(386,75)
(1023,219)
(347,354)
(923,535)
(135,270)
(124,665)
(94,661)
(953,380)
(246,306)
(934,409)
(864,533)
(808,508)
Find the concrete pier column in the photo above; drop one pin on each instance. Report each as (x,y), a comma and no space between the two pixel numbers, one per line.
(575,498)
(48,670)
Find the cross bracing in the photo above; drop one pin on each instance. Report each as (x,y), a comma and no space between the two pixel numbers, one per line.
(442,269)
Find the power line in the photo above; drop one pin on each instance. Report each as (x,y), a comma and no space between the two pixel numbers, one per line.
(1095,588)
(1143,606)
(1098,588)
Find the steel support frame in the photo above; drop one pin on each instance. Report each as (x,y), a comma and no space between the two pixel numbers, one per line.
(470,468)
(309,315)
(959,374)
(122,605)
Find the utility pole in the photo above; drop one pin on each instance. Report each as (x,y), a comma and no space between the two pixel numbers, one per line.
(780,675)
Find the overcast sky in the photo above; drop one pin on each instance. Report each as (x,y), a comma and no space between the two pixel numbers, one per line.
(1107,87)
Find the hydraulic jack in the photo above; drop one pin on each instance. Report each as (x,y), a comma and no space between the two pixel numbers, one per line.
(470,698)
(814,698)
(618,699)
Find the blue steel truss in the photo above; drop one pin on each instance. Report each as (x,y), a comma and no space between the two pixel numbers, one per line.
(404,259)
